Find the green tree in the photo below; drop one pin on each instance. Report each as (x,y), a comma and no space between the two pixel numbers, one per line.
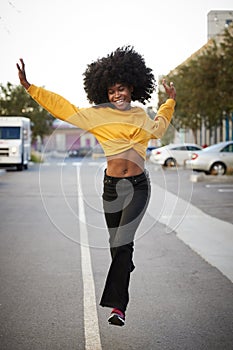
(204,86)
(14,100)
(226,71)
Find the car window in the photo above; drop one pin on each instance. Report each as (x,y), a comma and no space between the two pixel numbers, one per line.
(193,148)
(213,148)
(180,148)
(228,148)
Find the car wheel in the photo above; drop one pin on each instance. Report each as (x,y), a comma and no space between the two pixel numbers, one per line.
(20,166)
(218,169)
(170,162)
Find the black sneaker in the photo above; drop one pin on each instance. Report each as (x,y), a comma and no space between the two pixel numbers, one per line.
(117,318)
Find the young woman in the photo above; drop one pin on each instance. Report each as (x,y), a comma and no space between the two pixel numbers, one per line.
(111,83)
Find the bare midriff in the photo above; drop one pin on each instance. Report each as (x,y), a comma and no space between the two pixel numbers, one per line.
(128,163)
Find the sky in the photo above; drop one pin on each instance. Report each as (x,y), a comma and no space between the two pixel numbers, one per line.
(57,38)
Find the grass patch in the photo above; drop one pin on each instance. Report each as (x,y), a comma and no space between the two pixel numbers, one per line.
(36,157)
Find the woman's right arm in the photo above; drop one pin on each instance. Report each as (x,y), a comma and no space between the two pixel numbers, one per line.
(22,74)
(55,104)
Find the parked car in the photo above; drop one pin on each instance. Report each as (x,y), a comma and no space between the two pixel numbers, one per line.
(173,154)
(149,150)
(98,152)
(80,152)
(215,160)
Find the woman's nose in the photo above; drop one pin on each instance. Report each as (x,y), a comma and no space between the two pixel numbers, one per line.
(117,93)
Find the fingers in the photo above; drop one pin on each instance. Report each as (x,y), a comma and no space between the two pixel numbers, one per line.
(170,89)
(22,63)
(167,87)
(164,82)
(22,74)
(22,67)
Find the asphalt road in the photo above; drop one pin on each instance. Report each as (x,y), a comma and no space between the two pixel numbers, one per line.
(178,300)
(214,195)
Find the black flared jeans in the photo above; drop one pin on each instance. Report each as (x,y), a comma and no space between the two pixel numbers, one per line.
(125,201)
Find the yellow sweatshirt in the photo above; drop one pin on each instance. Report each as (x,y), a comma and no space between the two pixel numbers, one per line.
(116,130)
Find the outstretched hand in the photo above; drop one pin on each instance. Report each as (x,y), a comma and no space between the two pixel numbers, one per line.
(22,74)
(170,90)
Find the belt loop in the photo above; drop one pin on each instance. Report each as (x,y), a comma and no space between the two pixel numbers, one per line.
(107,179)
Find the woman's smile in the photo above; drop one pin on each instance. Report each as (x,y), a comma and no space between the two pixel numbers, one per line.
(120,96)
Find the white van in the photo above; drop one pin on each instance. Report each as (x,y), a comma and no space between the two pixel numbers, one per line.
(15,142)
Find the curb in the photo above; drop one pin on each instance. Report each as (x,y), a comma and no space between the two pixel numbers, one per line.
(202,177)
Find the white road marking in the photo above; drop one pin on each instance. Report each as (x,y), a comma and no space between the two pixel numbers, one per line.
(92,163)
(91,324)
(221,187)
(225,190)
(208,236)
(218,185)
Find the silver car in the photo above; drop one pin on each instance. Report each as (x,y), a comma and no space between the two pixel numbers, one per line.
(214,160)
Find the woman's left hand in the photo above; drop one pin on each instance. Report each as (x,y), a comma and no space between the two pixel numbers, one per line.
(170,90)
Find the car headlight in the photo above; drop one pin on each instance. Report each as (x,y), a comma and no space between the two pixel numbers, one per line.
(14,150)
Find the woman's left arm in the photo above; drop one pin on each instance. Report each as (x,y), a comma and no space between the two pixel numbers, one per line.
(165,112)
(167,109)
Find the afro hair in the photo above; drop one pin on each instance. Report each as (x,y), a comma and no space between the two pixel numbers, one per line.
(124,66)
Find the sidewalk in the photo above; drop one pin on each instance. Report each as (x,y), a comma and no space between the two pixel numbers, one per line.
(211,238)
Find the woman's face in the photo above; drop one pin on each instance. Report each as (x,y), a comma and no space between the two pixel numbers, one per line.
(120,96)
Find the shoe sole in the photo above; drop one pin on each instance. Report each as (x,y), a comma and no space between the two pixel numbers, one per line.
(116,320)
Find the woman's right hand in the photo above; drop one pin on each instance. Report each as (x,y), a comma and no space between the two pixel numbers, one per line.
(22,74)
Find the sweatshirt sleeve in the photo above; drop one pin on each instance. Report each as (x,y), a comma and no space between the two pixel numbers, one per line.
(59,107)
(163,118)
(167,109)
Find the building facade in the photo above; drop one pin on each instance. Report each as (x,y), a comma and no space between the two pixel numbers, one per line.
(217,21)
(66,137)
